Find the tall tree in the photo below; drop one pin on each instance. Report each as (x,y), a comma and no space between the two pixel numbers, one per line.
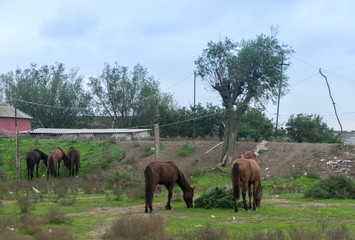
(52,96)
(243,73)
(129,98)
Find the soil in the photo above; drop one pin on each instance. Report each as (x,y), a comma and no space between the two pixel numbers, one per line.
(280,157)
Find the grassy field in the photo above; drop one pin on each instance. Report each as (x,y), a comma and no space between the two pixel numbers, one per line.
(88,206)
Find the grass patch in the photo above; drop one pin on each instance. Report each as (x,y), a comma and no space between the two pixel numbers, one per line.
(186,150)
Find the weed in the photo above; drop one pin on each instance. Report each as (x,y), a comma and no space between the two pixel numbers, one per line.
(148,226)
(59,233)
(30,223)
(186,150)
(206,233)
(55,217)
(25,202)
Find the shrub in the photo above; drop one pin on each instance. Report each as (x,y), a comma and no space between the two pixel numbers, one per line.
(30,223)
(334,186)
(186,150)
(25,202)
(139,227)
(217,198)
(206,233)
(55,217)
(59,233)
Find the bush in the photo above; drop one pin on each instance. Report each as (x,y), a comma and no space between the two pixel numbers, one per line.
(55,217)
(310,128)
(217,198)
(186,150)
(334,186)
(206,233)
(148,226)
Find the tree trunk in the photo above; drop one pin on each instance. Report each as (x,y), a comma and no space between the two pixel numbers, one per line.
(228,139)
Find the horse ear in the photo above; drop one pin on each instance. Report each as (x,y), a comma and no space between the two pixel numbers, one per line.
(262,187)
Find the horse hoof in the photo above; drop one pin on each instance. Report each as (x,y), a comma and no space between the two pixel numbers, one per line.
(235,210)
(168,207)
(146,211)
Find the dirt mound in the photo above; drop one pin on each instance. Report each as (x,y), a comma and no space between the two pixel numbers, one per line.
(299,158)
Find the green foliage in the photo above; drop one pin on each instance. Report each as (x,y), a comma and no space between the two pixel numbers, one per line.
(242,73)
(310,128)
(186,150)
(130,98)
(217,198)
(333,186)
(255,125)
(53,86)
(207,121)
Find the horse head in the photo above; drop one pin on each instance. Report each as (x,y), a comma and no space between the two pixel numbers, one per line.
(259,195)
(188,197)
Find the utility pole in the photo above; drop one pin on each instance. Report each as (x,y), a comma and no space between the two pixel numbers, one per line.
(279,96)
(17,150)
(194,132)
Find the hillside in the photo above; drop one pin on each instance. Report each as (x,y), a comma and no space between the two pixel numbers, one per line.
(298,158)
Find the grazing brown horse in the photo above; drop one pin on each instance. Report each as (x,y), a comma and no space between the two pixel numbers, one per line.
(168,174)
(54,158)
(73,156)
(33,158)
(244,173)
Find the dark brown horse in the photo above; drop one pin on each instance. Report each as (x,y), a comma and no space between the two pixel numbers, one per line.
(168,174)
(54,158)
(33,158)
(73,156)
(244,173)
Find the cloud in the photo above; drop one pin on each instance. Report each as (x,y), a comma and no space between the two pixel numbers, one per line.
(68,26)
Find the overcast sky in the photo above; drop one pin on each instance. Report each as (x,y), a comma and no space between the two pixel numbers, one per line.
(168,36)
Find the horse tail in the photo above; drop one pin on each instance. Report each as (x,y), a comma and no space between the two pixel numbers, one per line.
(148,184)
(236,180)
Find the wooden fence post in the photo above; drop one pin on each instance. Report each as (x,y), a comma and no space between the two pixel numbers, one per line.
(157,145)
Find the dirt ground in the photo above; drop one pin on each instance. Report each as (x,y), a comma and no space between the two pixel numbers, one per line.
(280,157)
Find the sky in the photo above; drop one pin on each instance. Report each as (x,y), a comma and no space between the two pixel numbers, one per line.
(167,37)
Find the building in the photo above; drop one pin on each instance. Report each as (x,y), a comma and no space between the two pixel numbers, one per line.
(93,134)
(7,120)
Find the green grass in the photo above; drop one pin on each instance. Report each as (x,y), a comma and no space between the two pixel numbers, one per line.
(94,154)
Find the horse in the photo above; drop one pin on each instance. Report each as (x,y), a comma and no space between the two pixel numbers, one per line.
(54,158)
(244,173)
(168,174)
(249,155)
(73,156)
(33,158)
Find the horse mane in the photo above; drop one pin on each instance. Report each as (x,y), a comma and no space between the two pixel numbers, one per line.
(182,182)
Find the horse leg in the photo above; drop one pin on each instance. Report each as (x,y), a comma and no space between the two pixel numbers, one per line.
(249,193)
(235,201)
(37,169)
(170,194)
(154,186)
(254,197)
(244,193)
